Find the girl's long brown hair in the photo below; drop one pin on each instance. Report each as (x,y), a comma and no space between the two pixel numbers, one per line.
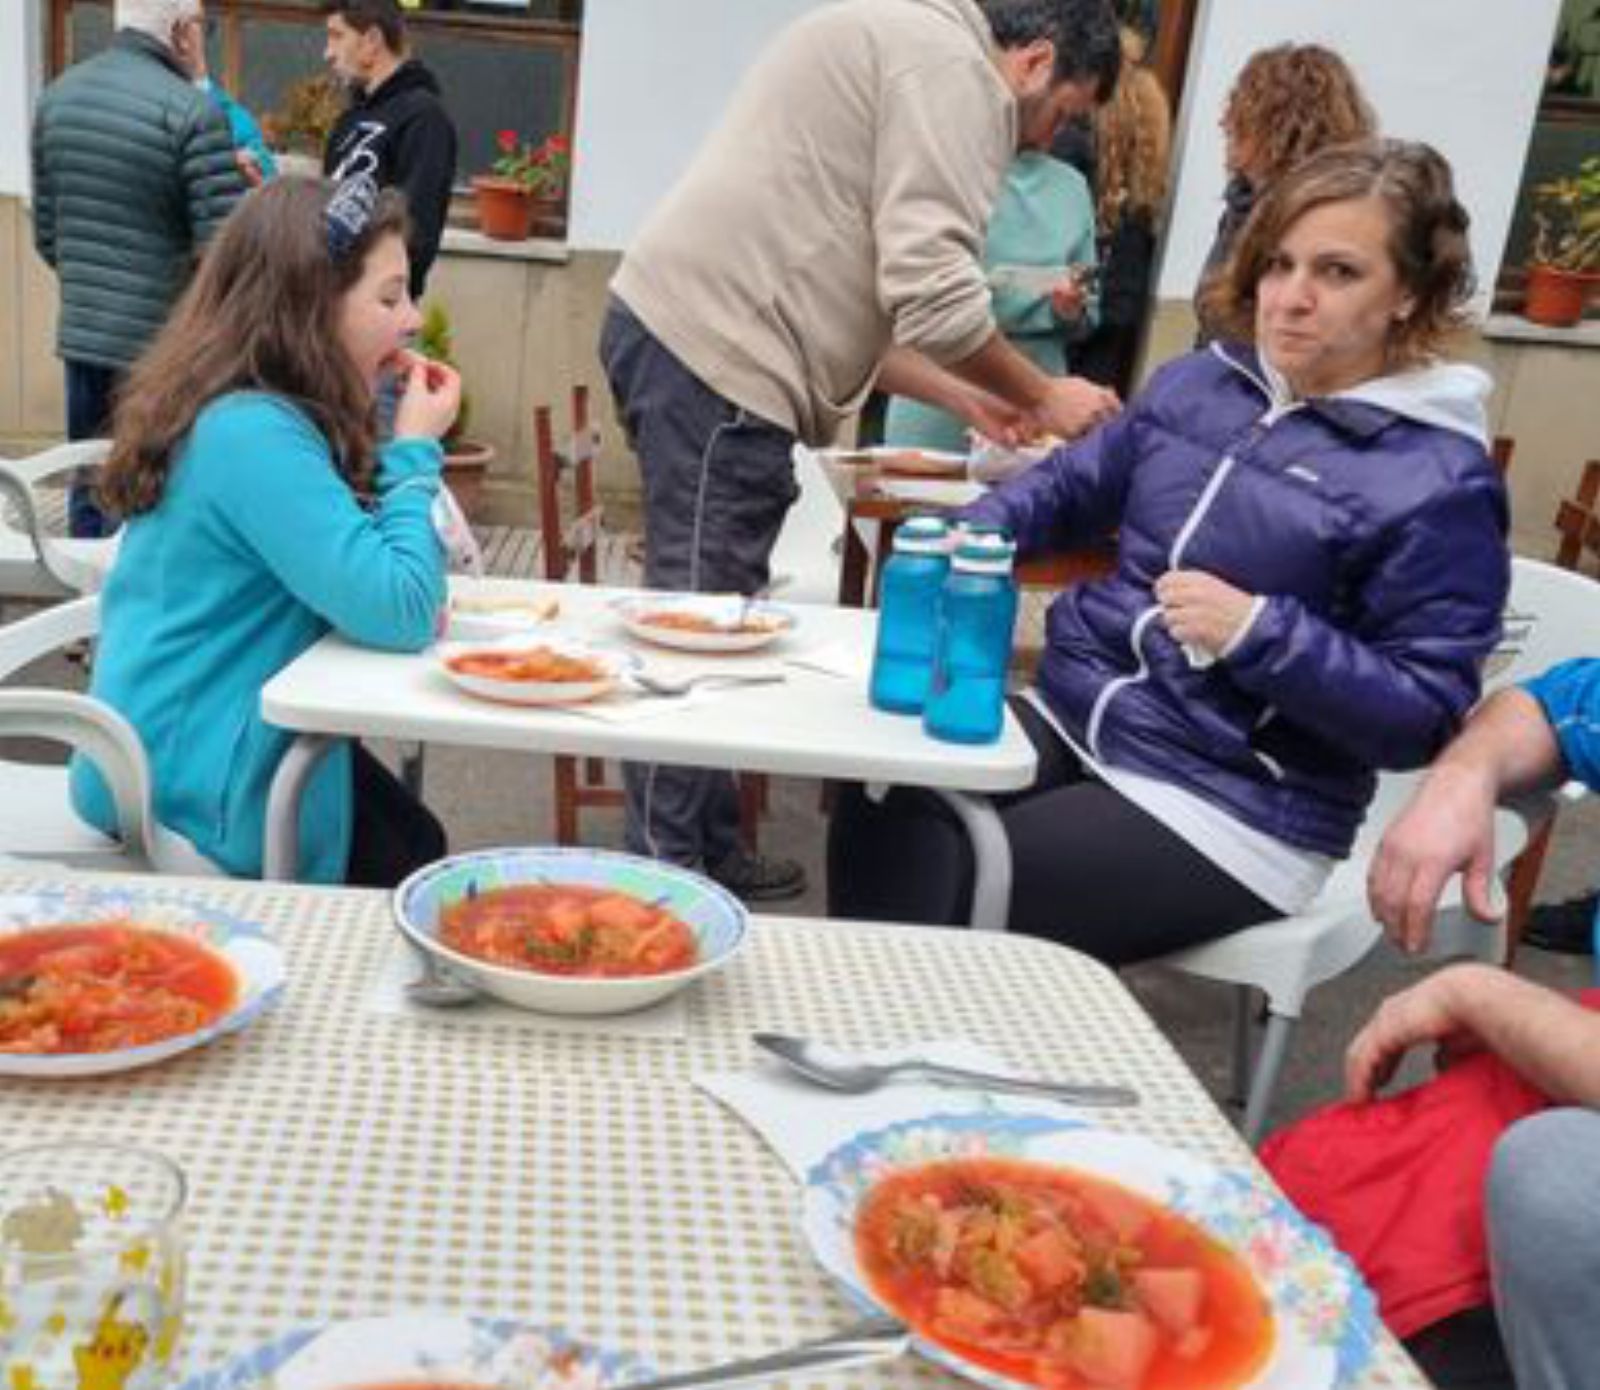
(262,314)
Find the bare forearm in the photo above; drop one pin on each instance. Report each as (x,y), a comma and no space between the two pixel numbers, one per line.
(1546,1038)
(1507,744)
(906,372)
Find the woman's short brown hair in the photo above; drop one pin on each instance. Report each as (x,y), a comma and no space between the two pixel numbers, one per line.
(1292,100)
(262,314)
(1427,239)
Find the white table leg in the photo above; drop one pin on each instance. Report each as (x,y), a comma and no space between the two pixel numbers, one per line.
(280,854)
(991,853)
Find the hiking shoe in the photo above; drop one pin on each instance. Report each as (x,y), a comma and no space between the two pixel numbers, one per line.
(1565,927)
(759,878)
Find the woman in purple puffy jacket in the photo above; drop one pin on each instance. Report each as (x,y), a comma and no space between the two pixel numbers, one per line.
(1311,569)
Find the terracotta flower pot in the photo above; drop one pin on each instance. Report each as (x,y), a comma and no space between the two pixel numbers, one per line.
(1556,298)
(505,209)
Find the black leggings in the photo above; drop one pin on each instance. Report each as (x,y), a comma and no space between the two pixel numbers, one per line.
(1089,868)
(392,833)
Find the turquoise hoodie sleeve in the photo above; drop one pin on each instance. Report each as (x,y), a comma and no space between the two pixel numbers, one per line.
(377,576)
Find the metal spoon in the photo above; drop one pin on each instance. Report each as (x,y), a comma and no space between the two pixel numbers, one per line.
(436,987)
(656,683)
(828,1066)
(875,1339)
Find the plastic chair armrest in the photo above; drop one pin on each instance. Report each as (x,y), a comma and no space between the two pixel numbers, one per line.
(100,734)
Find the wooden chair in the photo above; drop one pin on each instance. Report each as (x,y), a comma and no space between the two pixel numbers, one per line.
(572,553)
(1578,521)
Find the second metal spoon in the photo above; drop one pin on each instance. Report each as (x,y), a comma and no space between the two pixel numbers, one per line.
(828,1066)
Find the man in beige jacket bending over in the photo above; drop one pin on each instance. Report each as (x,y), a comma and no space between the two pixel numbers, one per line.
(826,239)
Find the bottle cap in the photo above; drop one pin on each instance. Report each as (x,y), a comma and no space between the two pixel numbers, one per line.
(922,535)
(988,553)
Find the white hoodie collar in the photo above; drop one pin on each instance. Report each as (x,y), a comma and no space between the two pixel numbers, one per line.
(1448,395)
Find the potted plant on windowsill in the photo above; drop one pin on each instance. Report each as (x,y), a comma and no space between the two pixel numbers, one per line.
(299,129)
(1564,267)
(526,189)
(466,461)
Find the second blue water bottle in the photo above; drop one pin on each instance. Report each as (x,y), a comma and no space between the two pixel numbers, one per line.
(966,703)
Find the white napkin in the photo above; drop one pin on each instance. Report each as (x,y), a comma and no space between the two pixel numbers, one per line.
(669,1019)
(803,1123)
(838,658)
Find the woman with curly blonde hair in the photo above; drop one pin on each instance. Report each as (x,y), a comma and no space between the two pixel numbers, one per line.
(1133,145)
(1287,103)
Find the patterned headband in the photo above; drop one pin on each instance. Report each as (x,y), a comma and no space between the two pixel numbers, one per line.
(348,213)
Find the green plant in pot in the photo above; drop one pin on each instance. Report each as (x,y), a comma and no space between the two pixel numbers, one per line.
(1564,265)
(525,190)
(466,461)
(300,126)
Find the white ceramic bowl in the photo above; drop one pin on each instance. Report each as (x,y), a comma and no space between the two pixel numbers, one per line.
(254,957)
(716,917)
(612,664)
(734,624)
(487,619)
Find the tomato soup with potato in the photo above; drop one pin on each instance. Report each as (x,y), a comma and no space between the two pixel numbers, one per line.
(568,930)
(1060,1279)
(102,987)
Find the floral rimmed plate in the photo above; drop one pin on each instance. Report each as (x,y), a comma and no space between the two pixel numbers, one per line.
(1324,1314)
(704,622)
(255,958)
(494,1353)
(507,670)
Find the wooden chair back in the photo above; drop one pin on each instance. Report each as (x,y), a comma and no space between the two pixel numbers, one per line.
(572,544)
(1578,521)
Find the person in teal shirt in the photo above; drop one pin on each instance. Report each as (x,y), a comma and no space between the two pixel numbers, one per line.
(1040,257)
(261,515)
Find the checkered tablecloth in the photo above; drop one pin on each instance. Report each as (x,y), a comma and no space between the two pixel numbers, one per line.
(344,1159)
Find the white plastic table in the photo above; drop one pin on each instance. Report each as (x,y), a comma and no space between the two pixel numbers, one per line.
(344,1160)
(814,724)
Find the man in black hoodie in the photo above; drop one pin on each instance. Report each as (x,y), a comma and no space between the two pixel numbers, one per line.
(396,128)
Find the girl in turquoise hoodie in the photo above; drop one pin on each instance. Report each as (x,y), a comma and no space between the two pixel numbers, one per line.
(261,515)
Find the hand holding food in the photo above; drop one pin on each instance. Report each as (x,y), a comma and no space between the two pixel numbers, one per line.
(1070,295)
(1072,406)
(431,398)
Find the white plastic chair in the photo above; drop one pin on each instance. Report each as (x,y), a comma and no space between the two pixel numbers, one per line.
(1551,616)
(36,819)
(35,565)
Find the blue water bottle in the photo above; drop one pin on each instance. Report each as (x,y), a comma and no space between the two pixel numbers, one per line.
(908,615)
(966,703)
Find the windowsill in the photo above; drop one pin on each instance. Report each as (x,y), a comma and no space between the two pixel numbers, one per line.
(1515,328)
(460,241)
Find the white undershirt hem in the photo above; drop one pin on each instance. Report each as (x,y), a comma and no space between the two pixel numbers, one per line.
(1278,873)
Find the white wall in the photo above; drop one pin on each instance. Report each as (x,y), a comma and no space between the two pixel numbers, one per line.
(654,77)
(1462,74)
(20,65)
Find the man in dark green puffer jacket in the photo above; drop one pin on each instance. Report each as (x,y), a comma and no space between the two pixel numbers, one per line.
(133,169)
